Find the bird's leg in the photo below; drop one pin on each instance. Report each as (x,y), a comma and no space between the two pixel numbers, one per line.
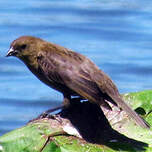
(45,114)
(52,110)
(66,103)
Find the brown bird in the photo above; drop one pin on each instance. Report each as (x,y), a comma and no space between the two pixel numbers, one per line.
(70,73)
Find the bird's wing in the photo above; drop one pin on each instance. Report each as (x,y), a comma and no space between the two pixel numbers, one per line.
(47,66)
(105,84)
(77,73)
(67,71)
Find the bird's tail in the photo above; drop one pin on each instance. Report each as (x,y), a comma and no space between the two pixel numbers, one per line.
(131,113)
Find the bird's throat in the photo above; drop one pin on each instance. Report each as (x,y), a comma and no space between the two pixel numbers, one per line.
(30,62)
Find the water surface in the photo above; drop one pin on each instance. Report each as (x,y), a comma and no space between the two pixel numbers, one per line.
(116,35)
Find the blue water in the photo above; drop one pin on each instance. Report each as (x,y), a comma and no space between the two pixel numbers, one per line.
(116,35)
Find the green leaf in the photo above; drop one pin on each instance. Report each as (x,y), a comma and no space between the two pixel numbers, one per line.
(141,99)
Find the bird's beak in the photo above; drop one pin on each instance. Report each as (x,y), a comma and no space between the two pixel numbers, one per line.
(11,52)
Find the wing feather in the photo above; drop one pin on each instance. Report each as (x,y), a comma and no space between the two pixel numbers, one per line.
(59,70)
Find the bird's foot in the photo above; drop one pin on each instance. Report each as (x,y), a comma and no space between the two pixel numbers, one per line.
(46,114)
(41,116)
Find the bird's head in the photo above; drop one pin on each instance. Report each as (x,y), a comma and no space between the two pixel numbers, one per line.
(24,47)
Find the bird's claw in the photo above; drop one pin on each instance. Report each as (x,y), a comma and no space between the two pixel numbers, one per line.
(41,116)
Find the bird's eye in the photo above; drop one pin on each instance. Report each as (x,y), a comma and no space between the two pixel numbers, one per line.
(23,46)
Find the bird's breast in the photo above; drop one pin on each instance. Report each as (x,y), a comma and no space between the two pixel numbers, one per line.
(50,82)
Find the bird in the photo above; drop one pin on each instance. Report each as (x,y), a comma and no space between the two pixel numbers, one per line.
(71,73)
